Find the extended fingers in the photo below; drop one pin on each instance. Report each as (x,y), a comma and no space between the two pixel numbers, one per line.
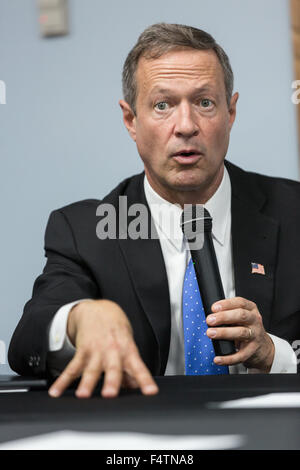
(114,367)
(138,371)
(113,375)
(70,373)
(105,345)
(90,377)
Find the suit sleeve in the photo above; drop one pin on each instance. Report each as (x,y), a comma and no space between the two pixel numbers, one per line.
(65,278)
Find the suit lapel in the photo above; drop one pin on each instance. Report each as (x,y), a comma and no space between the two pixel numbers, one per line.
(254,240)
(148,273)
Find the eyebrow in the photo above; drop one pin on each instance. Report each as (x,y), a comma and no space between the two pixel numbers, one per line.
(168,91)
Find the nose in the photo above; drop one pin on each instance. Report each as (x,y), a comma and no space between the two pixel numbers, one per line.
(185,122)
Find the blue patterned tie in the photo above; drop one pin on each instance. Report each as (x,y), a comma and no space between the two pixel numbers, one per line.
(198,348)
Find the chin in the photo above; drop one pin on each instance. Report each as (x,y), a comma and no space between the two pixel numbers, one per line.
(187,182)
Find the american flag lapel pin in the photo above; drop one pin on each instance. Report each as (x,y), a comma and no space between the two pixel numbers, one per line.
(258,268)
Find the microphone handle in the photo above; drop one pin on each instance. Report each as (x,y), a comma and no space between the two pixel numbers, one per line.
(211,288)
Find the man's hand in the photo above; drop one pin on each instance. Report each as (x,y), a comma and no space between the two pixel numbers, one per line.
(103,337)
(255,349)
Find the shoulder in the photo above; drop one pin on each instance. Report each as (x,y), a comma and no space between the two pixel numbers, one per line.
(282,194)
(277,191)
(87,208)
(271,182)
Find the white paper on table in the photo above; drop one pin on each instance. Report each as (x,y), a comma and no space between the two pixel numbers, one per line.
(74,440)
(270,400)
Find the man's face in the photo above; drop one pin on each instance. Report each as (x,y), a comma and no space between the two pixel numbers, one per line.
(182,123)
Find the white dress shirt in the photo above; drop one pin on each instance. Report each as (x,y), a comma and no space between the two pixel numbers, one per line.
(176,256)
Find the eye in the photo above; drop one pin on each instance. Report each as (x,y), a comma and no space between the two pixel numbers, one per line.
(206,103)
(161,106)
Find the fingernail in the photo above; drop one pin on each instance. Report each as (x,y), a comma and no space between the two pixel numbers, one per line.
(151,389)
(211,319)
(82,392)
(109,391)
(218,360)
(212,333)
(53,392)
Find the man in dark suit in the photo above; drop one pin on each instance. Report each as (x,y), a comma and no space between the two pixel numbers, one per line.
(118,299)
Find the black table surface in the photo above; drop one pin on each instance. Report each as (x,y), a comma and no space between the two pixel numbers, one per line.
(181,407)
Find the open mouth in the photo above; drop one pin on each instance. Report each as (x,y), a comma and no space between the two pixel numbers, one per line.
(187,157)
(185,154)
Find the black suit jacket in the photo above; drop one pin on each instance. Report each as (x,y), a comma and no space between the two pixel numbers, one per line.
(265,230)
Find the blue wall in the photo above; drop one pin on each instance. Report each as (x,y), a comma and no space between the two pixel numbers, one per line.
(61,133)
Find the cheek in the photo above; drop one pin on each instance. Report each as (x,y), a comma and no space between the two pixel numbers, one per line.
(143,142)
(218,135)
(151,140)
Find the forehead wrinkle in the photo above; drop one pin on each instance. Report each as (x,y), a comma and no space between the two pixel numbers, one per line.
(196,90)
(189,62)
(156,72)
(154,83)
(186,71)
(151,71)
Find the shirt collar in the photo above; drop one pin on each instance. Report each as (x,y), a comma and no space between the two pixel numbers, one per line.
(167,215)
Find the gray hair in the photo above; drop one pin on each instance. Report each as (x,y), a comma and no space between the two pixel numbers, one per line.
(161,38)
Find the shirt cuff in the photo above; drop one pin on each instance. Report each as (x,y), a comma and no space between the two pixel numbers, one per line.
(58,338)
(285,360)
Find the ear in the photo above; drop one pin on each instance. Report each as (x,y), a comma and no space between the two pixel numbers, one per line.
(129,118)
(232,109)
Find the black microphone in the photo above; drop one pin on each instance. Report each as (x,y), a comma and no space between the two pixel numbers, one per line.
(196,224)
